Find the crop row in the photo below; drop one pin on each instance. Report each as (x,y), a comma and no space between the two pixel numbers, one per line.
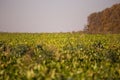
(63,56)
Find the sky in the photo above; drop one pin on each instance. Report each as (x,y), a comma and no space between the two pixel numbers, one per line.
(48,15)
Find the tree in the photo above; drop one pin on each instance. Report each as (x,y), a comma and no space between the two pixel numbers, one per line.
(105,21)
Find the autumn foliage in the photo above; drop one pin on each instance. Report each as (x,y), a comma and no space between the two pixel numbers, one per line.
(106,21)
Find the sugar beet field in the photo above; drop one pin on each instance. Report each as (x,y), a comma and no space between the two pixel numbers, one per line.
(59,56)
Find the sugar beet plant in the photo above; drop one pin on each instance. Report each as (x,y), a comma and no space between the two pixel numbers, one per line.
(59,56)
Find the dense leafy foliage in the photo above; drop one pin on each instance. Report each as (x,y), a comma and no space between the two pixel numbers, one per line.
(106,21)
(59,56)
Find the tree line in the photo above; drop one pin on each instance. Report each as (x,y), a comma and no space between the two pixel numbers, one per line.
(106,21)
